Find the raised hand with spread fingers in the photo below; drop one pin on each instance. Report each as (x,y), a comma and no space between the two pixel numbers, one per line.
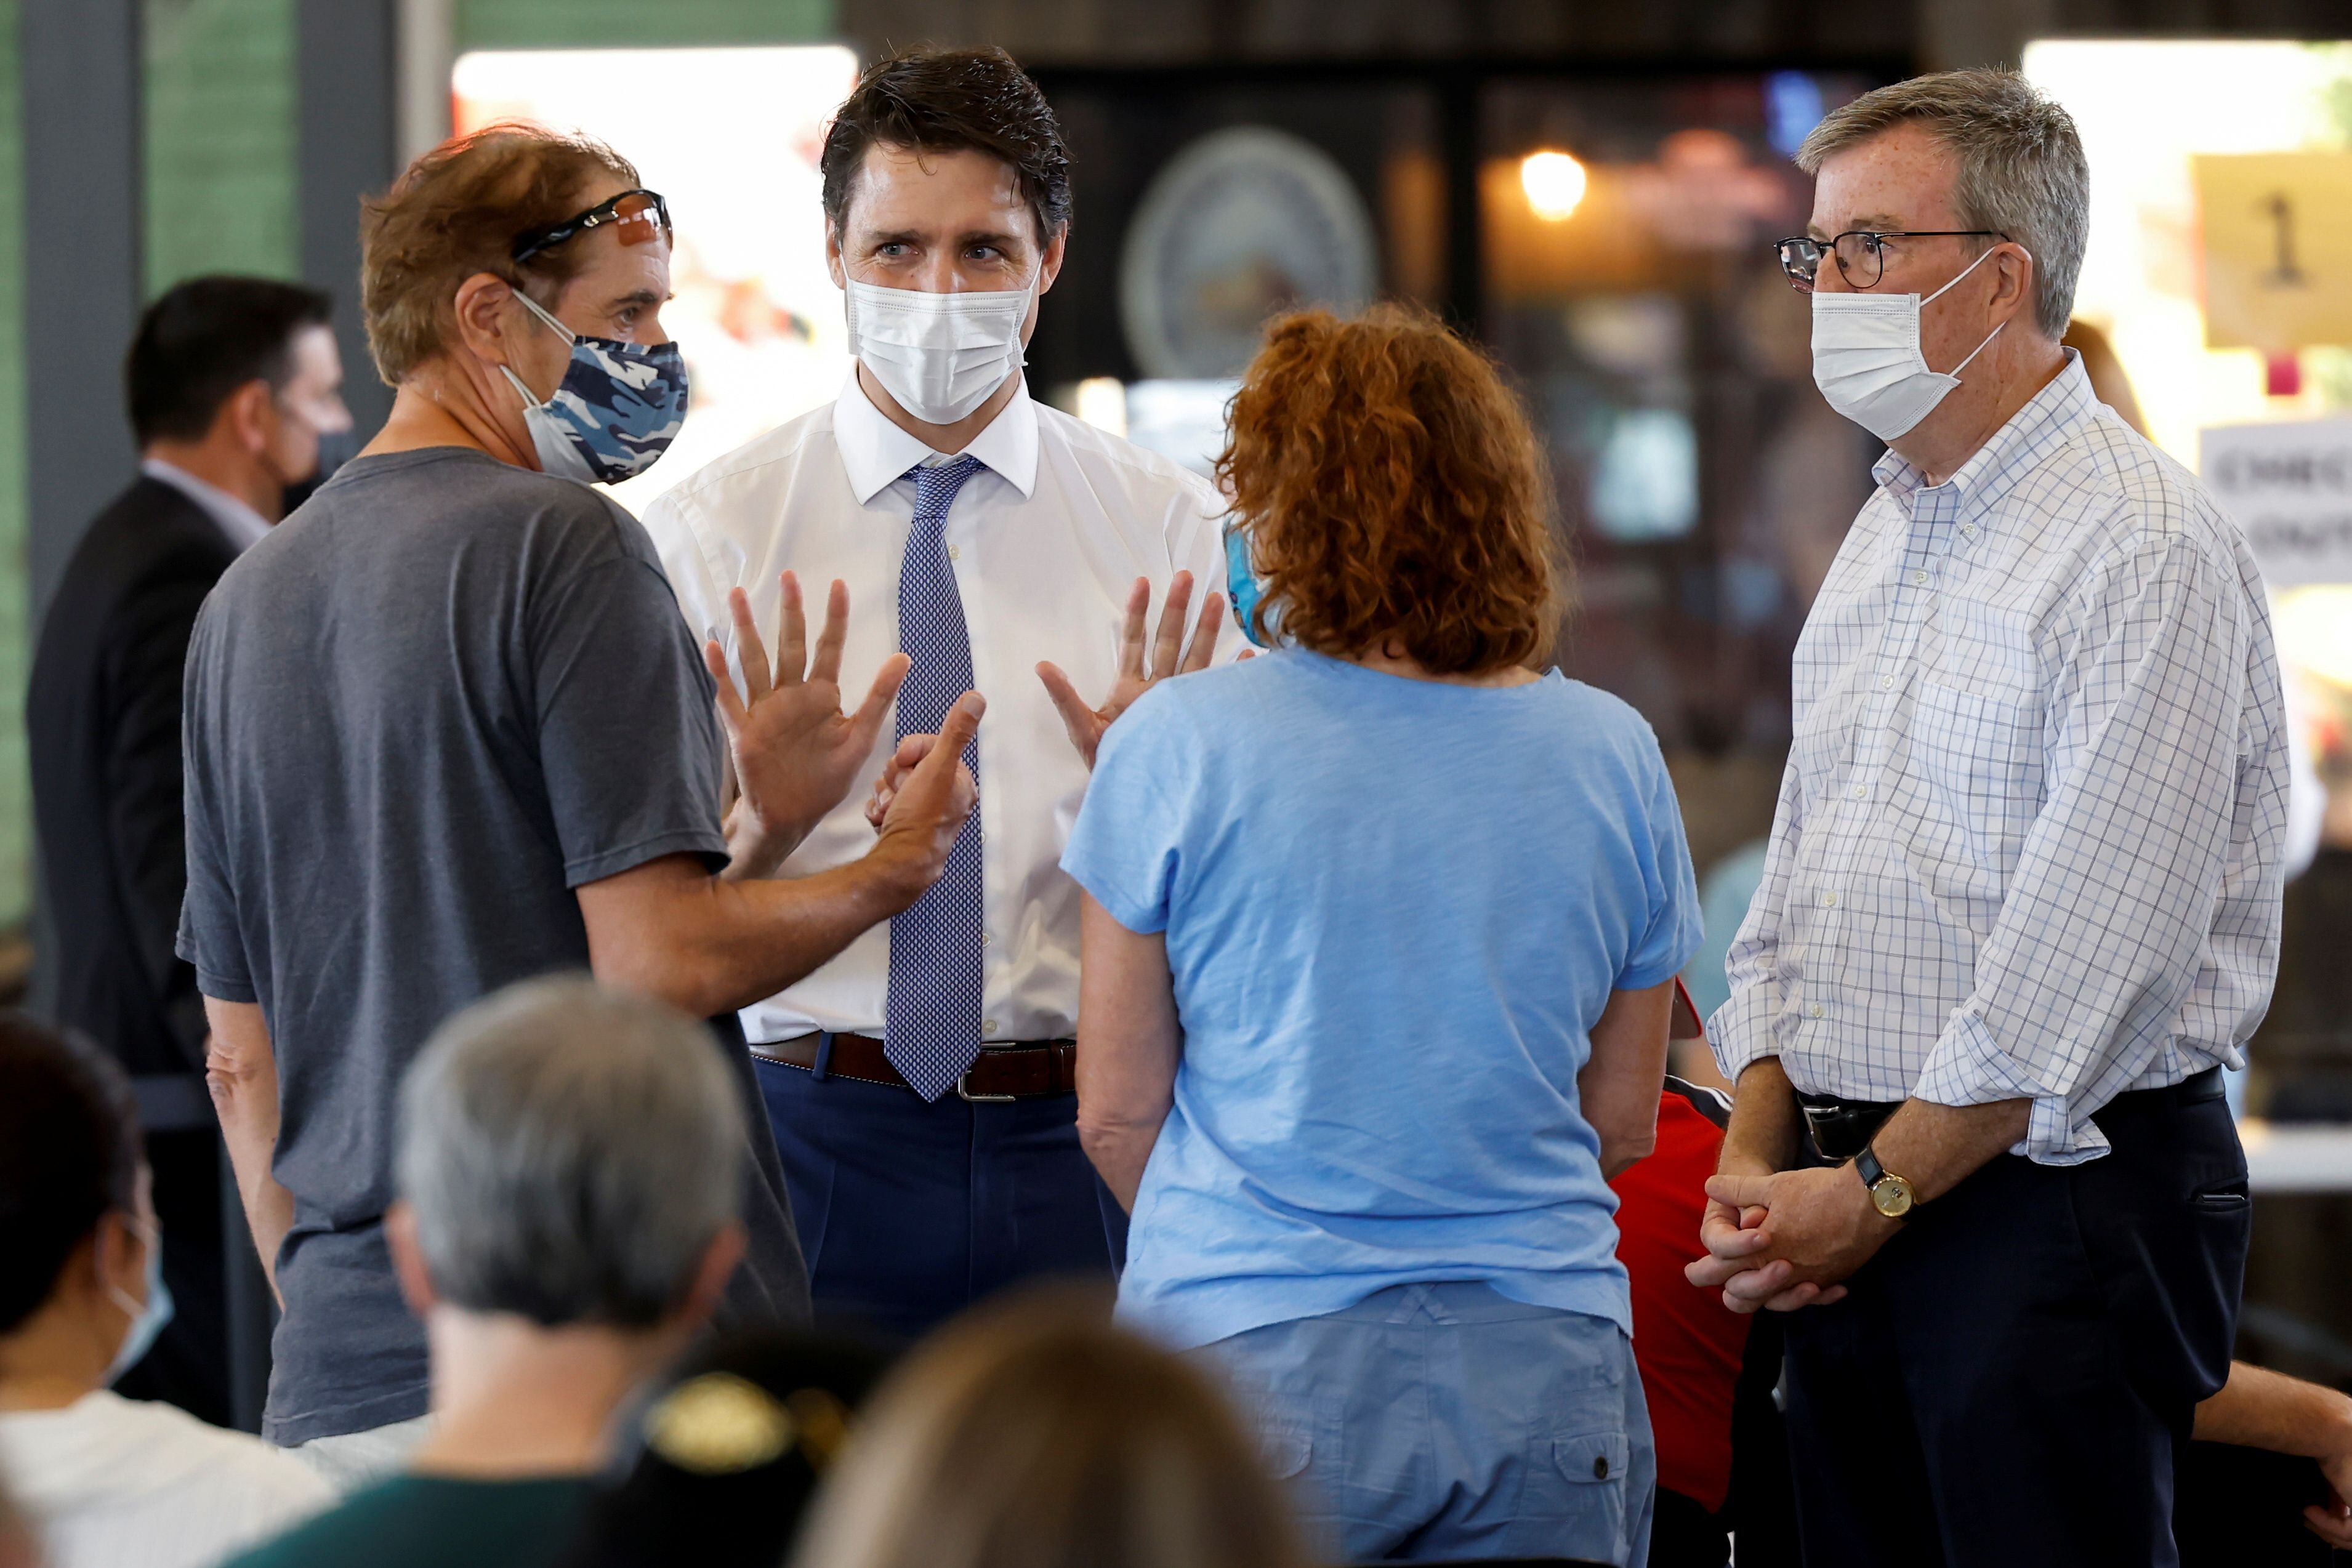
(1169,655)
(793,751)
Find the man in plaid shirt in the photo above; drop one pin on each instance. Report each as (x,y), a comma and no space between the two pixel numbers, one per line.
(2020,907)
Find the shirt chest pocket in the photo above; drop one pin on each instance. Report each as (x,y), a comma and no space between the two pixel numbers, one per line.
(1977,761)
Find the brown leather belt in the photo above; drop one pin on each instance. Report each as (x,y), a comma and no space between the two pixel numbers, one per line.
(1003,1071)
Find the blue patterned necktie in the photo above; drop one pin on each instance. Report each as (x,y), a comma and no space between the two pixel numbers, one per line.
(931,1020)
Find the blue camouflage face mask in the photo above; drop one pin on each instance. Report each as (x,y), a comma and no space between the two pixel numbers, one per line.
(615,412)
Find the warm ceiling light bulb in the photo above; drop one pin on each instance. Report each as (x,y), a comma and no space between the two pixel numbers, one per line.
(1554,182)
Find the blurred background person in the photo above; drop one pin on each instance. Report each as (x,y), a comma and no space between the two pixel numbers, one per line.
(1379,1140)
(446,731)
(232,383)
(1033,1434)
(108,1482)
(729,1454)
(571,1175)
(920,1083)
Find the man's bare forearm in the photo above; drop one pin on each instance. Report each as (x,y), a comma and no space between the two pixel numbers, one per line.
(241,1074)
(2263,1409)
(1763,1134)
(709,945)
(1936,1147)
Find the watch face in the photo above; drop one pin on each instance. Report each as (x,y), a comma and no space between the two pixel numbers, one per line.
(1892,1195)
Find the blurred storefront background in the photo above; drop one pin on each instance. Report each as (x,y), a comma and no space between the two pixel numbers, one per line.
(1588,190)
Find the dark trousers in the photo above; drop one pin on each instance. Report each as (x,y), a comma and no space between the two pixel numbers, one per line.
(910,1212)
(2007,1381)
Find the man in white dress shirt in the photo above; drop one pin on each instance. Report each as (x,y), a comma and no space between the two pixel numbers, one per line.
(2020,905)
(921,1084)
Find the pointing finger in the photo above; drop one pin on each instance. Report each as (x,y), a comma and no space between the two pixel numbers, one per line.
(956,734)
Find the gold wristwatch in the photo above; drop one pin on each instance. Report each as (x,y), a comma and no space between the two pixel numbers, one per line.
(1890,1194)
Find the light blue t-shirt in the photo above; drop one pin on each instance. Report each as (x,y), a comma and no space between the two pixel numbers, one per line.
(1394,908)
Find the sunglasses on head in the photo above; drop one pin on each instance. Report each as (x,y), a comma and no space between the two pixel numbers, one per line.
(643,215)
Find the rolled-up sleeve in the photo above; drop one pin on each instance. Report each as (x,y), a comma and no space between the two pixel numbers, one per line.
(2104,925)
(1741,1032)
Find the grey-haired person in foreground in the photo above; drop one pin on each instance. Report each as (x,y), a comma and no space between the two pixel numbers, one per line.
(570,1169)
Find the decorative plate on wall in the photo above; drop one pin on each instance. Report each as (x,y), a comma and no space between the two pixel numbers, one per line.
(1241,225)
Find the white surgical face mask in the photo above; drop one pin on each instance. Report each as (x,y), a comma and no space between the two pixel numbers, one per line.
(940,355)
(1867,360)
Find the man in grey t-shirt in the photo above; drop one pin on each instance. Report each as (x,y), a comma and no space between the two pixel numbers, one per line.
(445,731)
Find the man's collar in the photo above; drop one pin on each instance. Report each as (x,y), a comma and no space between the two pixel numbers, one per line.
(2047,421)
(242,525)
(875,451)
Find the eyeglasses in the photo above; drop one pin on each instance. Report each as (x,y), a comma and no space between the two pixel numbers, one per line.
(638,212)
(1861,253)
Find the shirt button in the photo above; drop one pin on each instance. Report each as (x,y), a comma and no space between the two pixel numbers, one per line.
(1819,1009)
(988,1026)
(1600,1467)
(1886,682)
(1828,900)
(1918,578)
(956,554)
(1858,791)
(1968,530)
(985,938)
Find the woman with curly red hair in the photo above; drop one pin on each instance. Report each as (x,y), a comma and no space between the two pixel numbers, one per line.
(1380,939)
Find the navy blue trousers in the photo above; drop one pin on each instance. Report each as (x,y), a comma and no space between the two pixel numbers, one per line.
(909,1213)
(2007,1382)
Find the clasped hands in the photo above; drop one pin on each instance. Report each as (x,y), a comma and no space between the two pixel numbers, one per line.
(1778,1240)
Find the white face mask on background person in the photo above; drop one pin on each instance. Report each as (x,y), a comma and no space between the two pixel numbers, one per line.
(940,355)
(1868,363)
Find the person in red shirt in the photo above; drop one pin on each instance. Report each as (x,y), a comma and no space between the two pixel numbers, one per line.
(1708,1371)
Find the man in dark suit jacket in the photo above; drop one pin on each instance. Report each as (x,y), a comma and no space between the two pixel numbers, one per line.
(232,381)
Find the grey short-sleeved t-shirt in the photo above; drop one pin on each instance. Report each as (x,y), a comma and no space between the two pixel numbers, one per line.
(441,696)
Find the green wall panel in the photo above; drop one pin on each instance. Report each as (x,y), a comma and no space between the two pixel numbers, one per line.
(221,194)
(591,24)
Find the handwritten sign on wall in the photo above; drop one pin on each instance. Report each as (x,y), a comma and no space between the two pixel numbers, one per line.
(2288,486)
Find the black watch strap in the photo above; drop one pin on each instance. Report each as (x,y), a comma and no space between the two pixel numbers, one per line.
(1890,1194)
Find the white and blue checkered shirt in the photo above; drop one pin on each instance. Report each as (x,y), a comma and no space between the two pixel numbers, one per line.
(2028,840)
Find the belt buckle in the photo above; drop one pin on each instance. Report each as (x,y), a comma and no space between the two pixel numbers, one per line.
(969,1098)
